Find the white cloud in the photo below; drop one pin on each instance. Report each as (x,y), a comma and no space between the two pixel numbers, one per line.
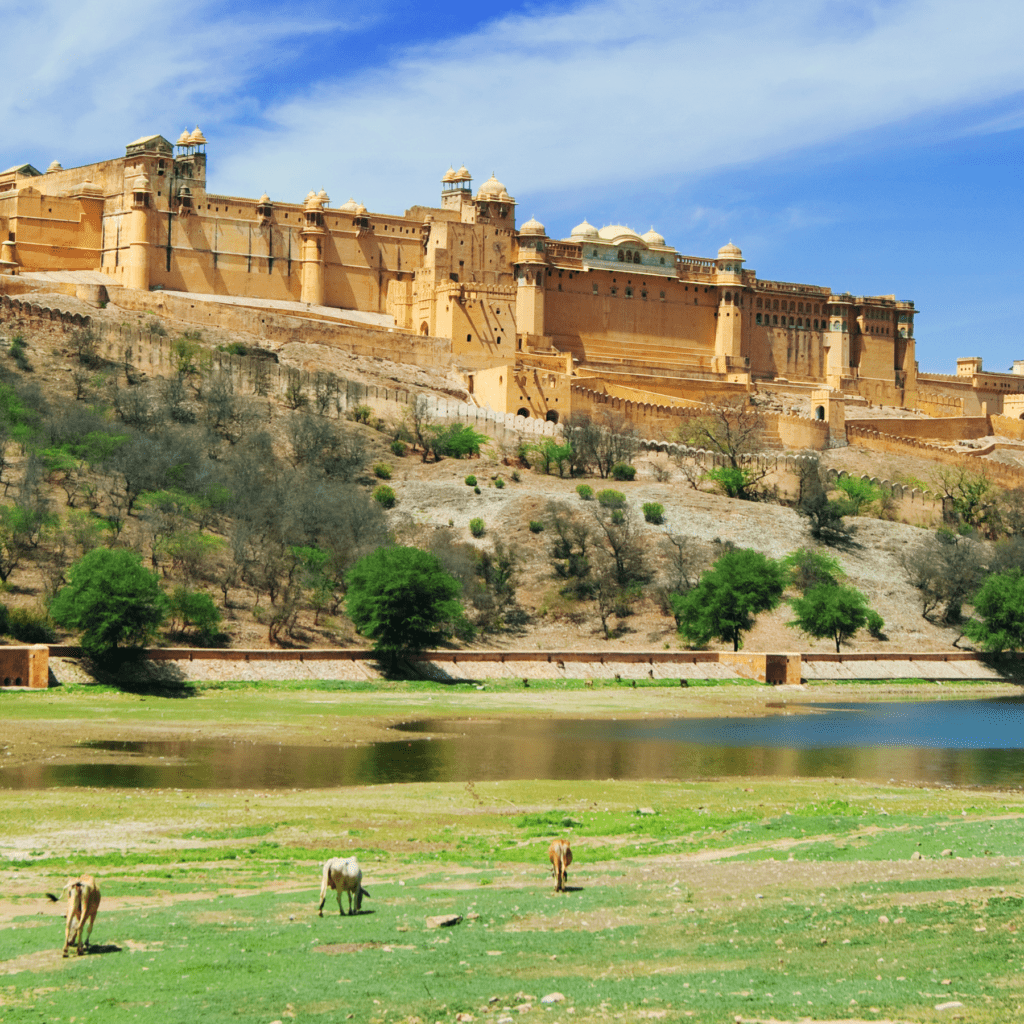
(567,101)
(625,91)
(86,77)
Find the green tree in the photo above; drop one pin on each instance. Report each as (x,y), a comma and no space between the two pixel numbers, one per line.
(859,492)
(1000,605)
(808,569)
(723,604)
(831,610)
(196,609)
(403,600)
(112,601)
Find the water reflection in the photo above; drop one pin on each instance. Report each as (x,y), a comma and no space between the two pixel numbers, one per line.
(957,742)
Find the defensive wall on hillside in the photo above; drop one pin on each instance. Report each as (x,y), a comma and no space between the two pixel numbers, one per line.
(151,352)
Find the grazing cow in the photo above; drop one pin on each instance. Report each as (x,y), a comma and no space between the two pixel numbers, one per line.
(561,857)
(83,902)
(343,875)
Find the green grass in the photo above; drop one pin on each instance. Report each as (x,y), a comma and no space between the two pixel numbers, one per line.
(762,898)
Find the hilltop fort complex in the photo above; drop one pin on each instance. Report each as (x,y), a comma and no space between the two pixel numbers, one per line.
(536,326)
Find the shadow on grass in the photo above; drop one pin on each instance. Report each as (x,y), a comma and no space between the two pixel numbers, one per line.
(1009,665)
(134,674)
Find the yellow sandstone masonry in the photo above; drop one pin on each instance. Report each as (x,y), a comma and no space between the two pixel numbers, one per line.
(537,326)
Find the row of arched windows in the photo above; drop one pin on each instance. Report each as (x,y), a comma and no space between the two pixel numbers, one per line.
(628,256)
(793,307)
(772,320)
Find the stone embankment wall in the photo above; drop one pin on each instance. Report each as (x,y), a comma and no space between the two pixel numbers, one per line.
(471,666)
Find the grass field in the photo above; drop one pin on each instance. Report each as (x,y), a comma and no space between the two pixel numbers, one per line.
(782,900)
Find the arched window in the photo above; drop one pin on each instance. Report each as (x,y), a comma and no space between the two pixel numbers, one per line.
(525,413)
(622,256)
(799,321)
(775,321)
(552,416)
(728,296)
(758,303)
(758,317)
(819,413)
(776,304)
(790,321)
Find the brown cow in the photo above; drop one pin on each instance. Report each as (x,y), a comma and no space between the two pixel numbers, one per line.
(561,857)
(83,902)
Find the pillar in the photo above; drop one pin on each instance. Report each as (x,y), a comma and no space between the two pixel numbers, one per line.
(137,275)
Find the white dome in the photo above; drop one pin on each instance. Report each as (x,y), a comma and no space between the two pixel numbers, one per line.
(350,207)
(491,189)
(584,230)
(613,231)
(730,252)
(532,227)
(653,238)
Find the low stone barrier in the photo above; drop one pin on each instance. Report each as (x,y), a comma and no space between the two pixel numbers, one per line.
(466,666)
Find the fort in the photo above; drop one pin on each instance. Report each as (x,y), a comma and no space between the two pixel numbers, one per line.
(537,327)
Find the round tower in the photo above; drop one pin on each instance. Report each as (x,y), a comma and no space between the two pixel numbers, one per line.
(729,326)
(137,275)
(530,269)
(313,236)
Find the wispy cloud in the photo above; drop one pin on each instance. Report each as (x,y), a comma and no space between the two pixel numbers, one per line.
(615,90)
(557,100)
(87,76)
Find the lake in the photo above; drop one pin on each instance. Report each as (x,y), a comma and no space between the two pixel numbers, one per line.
(957,742)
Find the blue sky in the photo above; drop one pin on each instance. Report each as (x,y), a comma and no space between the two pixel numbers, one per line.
(874,147)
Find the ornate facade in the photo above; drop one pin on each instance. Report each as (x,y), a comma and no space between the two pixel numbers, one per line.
(603,301)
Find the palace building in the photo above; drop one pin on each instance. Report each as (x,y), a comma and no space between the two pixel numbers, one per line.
(527,316)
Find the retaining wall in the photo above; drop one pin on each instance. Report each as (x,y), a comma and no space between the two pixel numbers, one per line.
(455,666)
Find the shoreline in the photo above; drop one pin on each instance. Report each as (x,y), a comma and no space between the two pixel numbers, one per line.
(49,727)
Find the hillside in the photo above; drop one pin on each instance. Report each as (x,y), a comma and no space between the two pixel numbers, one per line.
(214,459)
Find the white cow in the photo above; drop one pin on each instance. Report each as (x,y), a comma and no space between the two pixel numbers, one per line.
(343,875)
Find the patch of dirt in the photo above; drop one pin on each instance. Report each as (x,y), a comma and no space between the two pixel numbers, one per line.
(335,948)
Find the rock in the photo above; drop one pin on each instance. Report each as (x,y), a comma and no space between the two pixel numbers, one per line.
(553,997)
(883,919)
(917,855)
(464,1018)
(948,1006)
(525,1008)
(646,810)
(946,853)
(472,916)
(900,920)
(444,920)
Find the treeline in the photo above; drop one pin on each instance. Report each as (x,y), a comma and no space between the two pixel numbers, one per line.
(223,495)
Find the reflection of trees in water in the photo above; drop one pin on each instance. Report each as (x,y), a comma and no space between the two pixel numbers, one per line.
(495,750)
